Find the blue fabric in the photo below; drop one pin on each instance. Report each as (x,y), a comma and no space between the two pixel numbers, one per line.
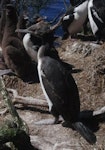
(53,10)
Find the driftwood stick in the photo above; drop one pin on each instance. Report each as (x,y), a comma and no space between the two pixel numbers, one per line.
(27,100)
(39,102)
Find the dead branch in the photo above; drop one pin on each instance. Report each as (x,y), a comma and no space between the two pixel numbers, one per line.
(27,100)
(39,102)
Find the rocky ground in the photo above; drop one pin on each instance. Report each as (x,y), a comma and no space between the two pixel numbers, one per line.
(88,57)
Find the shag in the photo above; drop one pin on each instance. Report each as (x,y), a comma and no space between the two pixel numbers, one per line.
(14,54)
(74,19)
(61,93)
(34,37)
(38,34)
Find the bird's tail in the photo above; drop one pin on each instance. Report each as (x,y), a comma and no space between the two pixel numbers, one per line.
(85,132)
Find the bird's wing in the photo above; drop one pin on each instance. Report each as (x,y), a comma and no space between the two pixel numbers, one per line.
(96,17)
(60,88)
(98,11)
(54,79)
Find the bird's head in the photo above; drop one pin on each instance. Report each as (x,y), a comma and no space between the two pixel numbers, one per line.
(11,12)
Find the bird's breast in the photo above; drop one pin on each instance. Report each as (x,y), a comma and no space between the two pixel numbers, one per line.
(41,74)
(80,15)
(30,47)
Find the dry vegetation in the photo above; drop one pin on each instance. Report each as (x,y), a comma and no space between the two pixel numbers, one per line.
(91,84)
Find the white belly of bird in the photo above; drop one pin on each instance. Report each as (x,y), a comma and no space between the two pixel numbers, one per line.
(29,47)
(40,73)
(80,15)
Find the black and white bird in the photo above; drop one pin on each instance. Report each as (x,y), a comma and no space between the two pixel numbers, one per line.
(38,34)
(34,36)
(75,18)
(96,15)
(61,93)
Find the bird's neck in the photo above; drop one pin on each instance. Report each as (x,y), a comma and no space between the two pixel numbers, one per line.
(10,26)
(9,31)
(41,51)
(11,22)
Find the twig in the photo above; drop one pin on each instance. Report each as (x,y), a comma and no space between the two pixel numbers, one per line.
(66,6)
(57,16)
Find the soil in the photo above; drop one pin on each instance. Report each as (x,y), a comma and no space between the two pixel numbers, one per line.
(88,57)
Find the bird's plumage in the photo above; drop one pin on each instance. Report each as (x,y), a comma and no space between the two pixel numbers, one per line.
(38,34)
(96,15)
(74,19)
(61,88)
(61,92)
(14,54)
